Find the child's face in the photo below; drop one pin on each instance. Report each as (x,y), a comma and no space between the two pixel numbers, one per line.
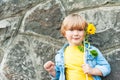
(74,37)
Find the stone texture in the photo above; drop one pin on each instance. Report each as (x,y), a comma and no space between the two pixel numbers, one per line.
(113,58)
(106,22)
(81,5)
(44,19)
(8,29)
(26,56)
(29,34)
(16,7)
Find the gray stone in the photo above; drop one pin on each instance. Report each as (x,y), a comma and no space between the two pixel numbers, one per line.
(16,7)
(29,34)
(81,5)
(8,29)
(113,58)
(26,56)
(44,19)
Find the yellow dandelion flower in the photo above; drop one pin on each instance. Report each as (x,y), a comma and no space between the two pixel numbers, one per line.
(91,29)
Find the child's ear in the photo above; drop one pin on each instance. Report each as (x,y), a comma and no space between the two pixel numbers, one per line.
(64,35)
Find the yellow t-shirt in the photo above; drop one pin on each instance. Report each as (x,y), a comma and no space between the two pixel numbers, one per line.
(73,62)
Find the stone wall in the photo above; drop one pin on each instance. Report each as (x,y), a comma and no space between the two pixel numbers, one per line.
(29,34)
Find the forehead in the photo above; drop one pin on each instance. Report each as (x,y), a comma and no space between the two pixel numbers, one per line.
(74,27)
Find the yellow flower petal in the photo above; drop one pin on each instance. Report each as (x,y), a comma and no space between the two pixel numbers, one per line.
(91,29)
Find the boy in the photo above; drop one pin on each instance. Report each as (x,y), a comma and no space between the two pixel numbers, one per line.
(74,60)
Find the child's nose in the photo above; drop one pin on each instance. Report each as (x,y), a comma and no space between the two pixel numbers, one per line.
(75,32)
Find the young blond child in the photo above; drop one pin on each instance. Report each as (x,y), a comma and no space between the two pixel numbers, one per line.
(74,60)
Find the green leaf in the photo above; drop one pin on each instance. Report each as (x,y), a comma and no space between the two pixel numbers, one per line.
(94,53)
(81,48)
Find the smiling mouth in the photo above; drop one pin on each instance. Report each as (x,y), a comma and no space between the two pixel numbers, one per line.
(76,38)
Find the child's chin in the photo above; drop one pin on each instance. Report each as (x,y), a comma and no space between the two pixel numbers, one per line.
(77,43)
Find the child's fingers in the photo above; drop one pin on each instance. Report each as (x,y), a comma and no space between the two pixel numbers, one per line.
(86,68)
(50,69)
(48,64)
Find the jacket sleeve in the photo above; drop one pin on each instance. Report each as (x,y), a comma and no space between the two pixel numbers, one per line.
(57,75)
(56,69)
(102,64)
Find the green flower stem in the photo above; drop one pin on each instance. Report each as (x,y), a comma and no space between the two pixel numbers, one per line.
(94,53)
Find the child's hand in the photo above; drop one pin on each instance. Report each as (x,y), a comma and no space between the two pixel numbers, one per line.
(92,71)
(50,67)
(87,69)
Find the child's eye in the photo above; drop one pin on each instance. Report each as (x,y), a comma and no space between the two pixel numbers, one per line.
(80,29)
(70,29)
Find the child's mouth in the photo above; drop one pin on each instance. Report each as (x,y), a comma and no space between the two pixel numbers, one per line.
(76,38)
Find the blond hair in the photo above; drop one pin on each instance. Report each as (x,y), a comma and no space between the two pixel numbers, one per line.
(73,22)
